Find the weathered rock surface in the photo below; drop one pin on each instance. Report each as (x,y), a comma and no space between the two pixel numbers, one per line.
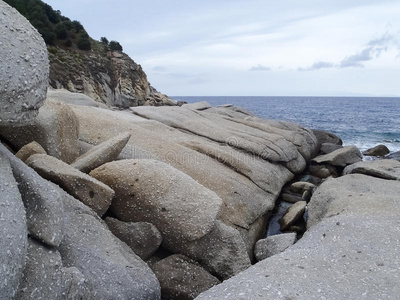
(182,278)
(379,150)
(42,274)
(329,147)
(342,157)
(326,137)
(274,244)
(290,197)
(13,232)
(217,166)
(394,155)
(55,129)
(222,251)
(362,195)
(101,154)
(90,191)
(293,214)
(360,244)
(74,286)
(42,202)
(385,168)
(302,186)
(24,69)
(110,269)
(152,191)
(142,237)
(197,106)
(29,149)
(66,96)
(323,170)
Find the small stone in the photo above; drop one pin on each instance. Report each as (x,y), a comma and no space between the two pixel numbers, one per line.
(293,213)
(273,244)
(29,149)
(380,150)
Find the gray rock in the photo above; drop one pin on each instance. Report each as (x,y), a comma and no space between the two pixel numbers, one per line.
(326,137)
(110,269)
(306,196)
(42,274)
(385,168)
(323,170)
(71,98)
(29,149)
(274,244)
(197,106)
(290,197)
(55,129)
(352,194)
(42,202)
(74,285)
(101,154)
(13,232)
(222,251)
(24,71)
(301,186)
(329,147)
(182,278)
(334,254)
(379,150)
(394,155)
(90,191)
(342,157)
(142,237)
(152,191)
(293,214)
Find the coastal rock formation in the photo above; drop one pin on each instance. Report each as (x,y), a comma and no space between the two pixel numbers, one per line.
(29,149)
(379,150)
(341,157)
(354,239)
(273,244)
(385,168)
(24,68)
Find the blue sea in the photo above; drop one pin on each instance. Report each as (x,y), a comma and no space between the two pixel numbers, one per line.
(361,121)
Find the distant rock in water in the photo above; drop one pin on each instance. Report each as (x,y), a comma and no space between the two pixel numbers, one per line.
(380,150)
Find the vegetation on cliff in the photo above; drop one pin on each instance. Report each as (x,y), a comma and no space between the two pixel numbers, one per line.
(79,63)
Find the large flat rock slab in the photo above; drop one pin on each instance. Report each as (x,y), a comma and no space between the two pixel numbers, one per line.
(385,168)
(350,255)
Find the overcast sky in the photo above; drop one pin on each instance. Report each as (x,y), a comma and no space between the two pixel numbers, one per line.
(253,47)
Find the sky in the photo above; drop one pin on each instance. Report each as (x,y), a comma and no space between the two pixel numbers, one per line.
(253,47)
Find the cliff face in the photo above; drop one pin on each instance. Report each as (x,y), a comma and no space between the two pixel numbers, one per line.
(110,77)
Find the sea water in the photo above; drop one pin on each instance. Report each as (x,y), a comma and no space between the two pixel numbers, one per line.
(361,121)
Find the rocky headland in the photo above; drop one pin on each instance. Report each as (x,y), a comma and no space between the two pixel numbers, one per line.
(173,202)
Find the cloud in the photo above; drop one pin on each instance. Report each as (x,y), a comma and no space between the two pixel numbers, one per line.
(159,68)
(318,65)
(260,67)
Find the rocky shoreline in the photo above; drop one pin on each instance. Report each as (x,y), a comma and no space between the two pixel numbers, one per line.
(173,202)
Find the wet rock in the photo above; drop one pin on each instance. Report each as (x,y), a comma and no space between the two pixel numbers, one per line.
(182,278)
(74,284)
(394,155)
(274,244)
(306,196)
(142,237)
(42,202)
(380,150)
(222,251)
(13,232)
(342,157)
(197,106)
(42,274)
(110,269)
(152,191)
(90,191)
(323,171)
(329,147)
(293,214)
(326,137)
(101,154)
(24,68)
(29,149)
(385,168)
(55,129)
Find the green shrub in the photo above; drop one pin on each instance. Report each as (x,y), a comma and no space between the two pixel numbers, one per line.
(115,46)
(84,43)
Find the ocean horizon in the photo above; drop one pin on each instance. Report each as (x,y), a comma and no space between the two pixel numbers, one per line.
(361,121)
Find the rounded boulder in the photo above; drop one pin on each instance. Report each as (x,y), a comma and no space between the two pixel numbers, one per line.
(24,68)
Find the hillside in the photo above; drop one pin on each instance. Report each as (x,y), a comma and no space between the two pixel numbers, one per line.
(81,64)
